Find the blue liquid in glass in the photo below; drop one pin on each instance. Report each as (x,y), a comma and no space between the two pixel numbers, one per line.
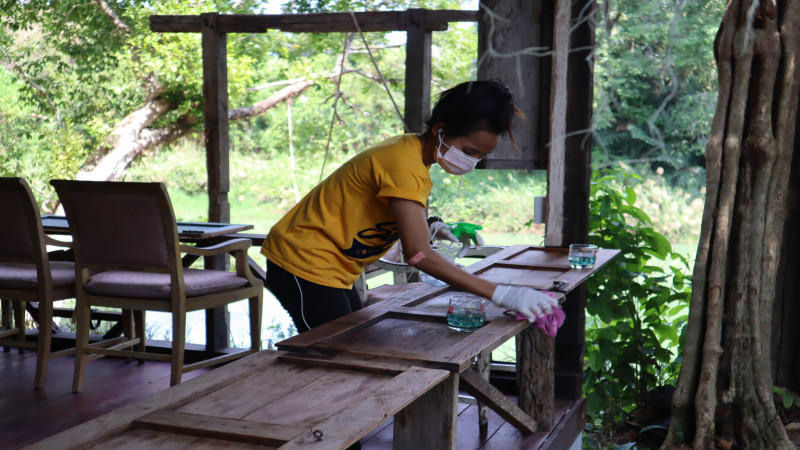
(581,262)
(461,320)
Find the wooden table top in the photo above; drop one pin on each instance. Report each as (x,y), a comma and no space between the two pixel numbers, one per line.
(187,231)
(412,326)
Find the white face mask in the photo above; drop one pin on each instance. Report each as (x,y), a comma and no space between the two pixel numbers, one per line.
(454,162)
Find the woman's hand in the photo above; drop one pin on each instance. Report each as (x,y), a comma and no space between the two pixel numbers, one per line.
(524,300)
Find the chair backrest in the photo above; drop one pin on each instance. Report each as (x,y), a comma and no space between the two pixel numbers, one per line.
(123,224)
(21,236)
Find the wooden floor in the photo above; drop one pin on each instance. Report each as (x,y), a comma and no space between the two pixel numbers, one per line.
(28,415)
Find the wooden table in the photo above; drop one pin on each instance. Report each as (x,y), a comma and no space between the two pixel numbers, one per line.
(411,329)
(269,399)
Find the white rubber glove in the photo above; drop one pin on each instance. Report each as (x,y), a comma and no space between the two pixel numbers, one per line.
(465,243)
(441,230)
(524,300)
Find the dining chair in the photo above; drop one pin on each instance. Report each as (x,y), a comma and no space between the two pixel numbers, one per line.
(28,275)
(128,256)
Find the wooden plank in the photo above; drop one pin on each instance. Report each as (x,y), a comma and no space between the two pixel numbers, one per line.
(281,388)
(87,433)
(557,166)
(430,420)
(218,427)
(433,344)
(411,358)
(569,427)
(263,404)
(371,408)
(311,23)
(304,340)
(374,365)
(504,52)
(475,385)
(148,439)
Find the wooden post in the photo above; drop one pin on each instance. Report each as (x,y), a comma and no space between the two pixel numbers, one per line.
(215,114)
(418,85)
(434,412)
(569,174)
(570,341)
(482,366)
(535,376)
(418,71)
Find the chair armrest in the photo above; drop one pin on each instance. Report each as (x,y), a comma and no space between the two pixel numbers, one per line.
(55,242)
(218,249)
(236,247)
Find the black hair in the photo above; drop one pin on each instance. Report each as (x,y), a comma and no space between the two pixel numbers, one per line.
(472,106)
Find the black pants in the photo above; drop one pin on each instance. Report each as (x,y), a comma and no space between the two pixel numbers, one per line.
(309,304)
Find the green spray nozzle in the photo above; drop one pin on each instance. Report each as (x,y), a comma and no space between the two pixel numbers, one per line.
(465,229)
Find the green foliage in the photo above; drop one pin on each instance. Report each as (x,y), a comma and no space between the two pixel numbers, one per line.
(788,397)
(655,84)
(637,306)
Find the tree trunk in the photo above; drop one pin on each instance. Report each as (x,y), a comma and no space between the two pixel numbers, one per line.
(131,136)
(724,391)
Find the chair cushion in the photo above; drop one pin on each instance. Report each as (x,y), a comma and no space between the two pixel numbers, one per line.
(157,285)
(23,276)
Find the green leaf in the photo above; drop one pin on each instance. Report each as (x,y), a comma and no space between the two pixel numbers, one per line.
(630,195)
(595,361)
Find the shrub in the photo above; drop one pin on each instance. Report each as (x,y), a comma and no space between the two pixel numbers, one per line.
(637,306)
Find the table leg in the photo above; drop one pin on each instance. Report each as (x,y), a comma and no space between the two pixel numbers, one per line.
(475,385)
(482,367)
(429,422)
(5,311)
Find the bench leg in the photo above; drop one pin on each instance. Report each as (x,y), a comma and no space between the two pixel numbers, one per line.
(430,421)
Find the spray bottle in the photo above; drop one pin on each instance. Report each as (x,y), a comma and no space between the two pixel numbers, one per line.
(464,232)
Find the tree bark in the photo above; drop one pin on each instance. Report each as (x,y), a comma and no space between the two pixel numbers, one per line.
(724,389)
(124,143)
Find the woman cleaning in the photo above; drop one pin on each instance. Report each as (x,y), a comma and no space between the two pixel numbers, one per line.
(317,251)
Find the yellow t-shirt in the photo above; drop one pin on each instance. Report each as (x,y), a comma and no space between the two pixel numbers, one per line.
(346,222)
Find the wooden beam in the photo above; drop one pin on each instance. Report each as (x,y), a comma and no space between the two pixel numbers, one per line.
(418,71)
(472,383)
(558,106)
(215,113)
(570,341)
(311,23)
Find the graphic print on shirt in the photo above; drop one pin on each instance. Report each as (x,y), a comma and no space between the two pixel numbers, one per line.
(376,241)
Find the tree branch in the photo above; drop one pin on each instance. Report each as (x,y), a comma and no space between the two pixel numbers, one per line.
(121,26)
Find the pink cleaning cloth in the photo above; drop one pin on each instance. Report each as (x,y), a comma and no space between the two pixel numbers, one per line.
(550,323)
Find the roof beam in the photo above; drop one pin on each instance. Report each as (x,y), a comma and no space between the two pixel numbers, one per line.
(312,23)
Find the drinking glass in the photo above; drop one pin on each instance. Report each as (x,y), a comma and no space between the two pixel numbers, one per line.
(582,256)
(466,313)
